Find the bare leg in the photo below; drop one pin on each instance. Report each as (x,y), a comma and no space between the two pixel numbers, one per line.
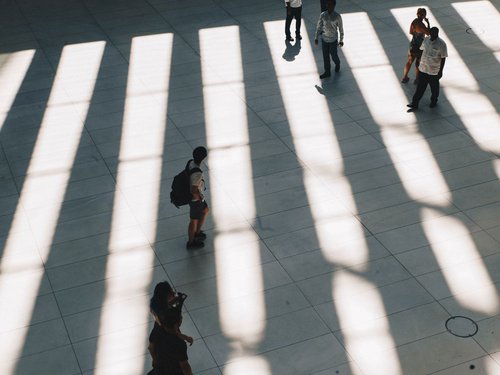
(200,222)
(416,72)
(193,224)
(406,69)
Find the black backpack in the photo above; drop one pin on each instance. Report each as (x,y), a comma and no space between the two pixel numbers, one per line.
(181,186)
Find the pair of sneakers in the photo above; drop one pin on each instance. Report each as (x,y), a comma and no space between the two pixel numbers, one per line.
(413,107)
(197,242)
(328,74)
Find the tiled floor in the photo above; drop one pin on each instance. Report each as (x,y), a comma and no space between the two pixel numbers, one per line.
(343,232)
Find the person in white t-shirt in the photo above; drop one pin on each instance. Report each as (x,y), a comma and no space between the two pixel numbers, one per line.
(198,207)
(434,54)
(293,10)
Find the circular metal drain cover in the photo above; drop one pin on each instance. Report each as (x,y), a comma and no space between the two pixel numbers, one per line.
(461,326)
(472,31)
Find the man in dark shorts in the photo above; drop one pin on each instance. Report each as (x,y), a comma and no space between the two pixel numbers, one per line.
(169,352)
(198,207)
(418,31)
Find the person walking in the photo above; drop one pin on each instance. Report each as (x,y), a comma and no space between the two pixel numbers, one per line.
(434,54)
(293,10)
(198,207)
(164,298)
(167,349)
(331,29)
(418,31)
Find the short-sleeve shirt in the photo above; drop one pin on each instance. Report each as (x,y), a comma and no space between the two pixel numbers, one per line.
(169,351)
(433,52)
(294,3)
(196,178)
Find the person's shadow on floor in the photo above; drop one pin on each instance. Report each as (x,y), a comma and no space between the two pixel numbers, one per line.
(325,89)
(291,50)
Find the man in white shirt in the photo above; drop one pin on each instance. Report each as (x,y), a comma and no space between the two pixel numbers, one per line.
(198,207)
(434,54)
(293,10)
(329,27)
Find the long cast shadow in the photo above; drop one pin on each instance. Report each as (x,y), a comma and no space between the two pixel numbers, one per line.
(360,165)
(443,157)
(185,130)
(20,131)
(80,243)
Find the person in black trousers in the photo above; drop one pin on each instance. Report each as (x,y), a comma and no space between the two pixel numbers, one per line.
(331,29)
(434,53)
(293,10)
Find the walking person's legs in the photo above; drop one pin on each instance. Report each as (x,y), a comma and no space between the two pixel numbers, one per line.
(434,84)
(199,233)
(417,63)
(198,211)
(418,56)
(419,92)
(298,21)
(193,224)
(407,67)
(335,55)
(288,22)
(326,59)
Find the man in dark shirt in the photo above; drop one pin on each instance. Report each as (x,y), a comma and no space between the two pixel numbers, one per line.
(169,352)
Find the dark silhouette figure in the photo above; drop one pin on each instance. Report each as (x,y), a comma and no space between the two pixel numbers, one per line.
(331,29)
(418,31)
(291,50)
(434,53)
(293,10)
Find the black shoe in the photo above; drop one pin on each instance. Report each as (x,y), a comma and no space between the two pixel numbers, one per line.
(433,104)
(289,39)
(412,107)
(298,37)
(405,80)
(200,236)
(337,67)
(325,75)
(196,244)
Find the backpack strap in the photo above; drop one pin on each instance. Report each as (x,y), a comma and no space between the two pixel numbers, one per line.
(192,170)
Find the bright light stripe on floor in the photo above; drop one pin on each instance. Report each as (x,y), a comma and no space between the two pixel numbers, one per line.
(458,97)
(387,104)
(147,96)
(472,275)
(230,160)
(316,146)
(13,69)
(482,16)
(368,339)
(310,122)
(492,364)
(475,110)
(50,187)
